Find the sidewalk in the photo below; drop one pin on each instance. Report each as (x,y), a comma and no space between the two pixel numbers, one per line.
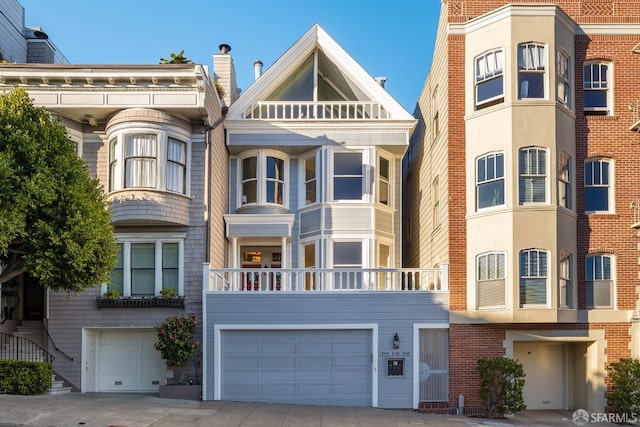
(142,410)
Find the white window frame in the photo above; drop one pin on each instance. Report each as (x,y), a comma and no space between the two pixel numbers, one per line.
(304,180)
(495,178)
(566,282)
(362,176)
(591,280)
(565,180)
(596,85)
(532,171)
(563,78)
(388,180)
(435,195)
(480,280)
(117,175)
(489,66)
(536,274)
(594,185)
(530,66)
(261,177)
(126,239)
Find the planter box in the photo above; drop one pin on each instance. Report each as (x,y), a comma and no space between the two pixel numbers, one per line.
(187,392)
(139,302)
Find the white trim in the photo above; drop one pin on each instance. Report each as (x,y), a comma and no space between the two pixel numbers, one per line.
(416,356)
(217,337)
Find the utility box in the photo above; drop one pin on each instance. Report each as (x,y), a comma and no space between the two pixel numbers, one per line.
(395,367)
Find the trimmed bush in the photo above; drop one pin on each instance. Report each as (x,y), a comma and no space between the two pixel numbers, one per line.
(624,396)
(26,378)
(501,384)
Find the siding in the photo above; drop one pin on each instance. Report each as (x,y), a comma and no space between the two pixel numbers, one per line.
(392,312)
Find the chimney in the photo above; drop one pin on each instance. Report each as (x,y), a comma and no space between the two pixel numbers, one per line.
(224,73)
(257,69)
(380,80)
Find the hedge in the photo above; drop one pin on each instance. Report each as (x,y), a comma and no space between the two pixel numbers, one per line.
(26,378)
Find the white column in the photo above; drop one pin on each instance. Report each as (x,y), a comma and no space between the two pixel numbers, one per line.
(234,252)
(126,268)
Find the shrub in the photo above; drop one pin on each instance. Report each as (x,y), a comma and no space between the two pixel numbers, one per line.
(176,340)
(624,396)
(26,378)
(501,383)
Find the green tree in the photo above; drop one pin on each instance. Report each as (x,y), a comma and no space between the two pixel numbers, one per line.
(54,221)
(178,58)
(624,396)
(501,384)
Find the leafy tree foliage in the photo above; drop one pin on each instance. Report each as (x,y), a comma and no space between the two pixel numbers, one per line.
(177,340)
(501,384)
(54,222)
(178,58)
(624,396)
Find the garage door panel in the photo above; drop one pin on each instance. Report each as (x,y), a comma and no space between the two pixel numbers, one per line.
(310,371)
(315,362)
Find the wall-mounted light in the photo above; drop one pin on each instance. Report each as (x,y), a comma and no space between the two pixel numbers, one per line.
(396,341)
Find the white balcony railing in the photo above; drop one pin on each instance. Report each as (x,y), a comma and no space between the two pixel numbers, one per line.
(309,110)
(268,280)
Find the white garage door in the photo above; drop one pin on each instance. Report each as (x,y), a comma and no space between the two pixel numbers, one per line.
(127,361)
(321,367)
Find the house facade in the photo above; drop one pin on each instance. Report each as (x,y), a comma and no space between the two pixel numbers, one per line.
(312,305)
(525,156)
(151,135)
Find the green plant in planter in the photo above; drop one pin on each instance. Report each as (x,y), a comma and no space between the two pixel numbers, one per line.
(168,293)
(176,340)
(111,294)
(624,395)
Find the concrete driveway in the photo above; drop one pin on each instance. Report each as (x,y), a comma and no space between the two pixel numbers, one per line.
(138,410)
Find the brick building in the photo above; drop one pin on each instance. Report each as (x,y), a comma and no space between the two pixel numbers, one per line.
(522,175)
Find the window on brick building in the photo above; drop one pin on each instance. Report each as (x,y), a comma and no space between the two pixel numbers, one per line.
(490,180)
(563,73)
(599,269)
(532,165)
(565,280)
(489,84)
(490,276)
(146,265)
(565,178)
(533,278)
(531,70)
(598,186)
(597,89)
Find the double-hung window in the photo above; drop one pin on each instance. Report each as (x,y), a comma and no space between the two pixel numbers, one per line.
(384,189)
(490,278)
(533,175)
(599,277)
(347,176)
(565,196)
(598,185)
(565,280)
(310,181)
(597,89)
(140,161)
(531,70)
(114,184)
(563,69)
(146,266)
(490,180)
(176,165)
(489,82)
(533,277)
(263,179)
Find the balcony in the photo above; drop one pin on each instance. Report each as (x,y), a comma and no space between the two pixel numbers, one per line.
(309,110)
(270,280)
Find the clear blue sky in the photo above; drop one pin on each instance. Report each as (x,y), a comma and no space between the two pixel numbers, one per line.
(387,38)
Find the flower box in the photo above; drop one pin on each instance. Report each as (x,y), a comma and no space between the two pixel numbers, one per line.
(139,302)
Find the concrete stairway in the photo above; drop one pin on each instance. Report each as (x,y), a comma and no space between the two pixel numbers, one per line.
(32,330)
(57,387)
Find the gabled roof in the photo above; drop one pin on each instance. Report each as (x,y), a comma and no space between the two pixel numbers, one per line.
(345,74)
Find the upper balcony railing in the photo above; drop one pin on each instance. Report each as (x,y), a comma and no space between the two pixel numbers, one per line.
(269,280)
(310,110)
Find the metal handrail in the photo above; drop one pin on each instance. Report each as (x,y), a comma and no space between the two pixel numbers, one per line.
(19,348)
(46,331)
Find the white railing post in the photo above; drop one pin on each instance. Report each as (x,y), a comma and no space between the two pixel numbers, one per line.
(206,286)
(444,283)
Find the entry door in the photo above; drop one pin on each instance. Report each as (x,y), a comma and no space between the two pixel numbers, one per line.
(33,299)
(434,365)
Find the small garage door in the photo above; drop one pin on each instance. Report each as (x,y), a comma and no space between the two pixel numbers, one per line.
(306,366)
(127,361)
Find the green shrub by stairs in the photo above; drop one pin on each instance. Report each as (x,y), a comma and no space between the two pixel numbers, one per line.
(26,378)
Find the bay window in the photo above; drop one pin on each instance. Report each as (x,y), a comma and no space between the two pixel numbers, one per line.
(533,277)
(347,176)
(491,283)
(384,190)
(140,161)
(263,179)
(531,70)
(563,68)
(490,180)
(533,175)
(489,78)
(310,180)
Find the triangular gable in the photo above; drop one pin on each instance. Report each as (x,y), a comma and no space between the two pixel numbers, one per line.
(340,77)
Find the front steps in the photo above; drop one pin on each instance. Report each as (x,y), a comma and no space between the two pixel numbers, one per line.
(57,387)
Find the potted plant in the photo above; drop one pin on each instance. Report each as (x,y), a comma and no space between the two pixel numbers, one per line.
(176,343)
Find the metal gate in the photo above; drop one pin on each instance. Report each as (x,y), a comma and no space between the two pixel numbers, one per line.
(434,365)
